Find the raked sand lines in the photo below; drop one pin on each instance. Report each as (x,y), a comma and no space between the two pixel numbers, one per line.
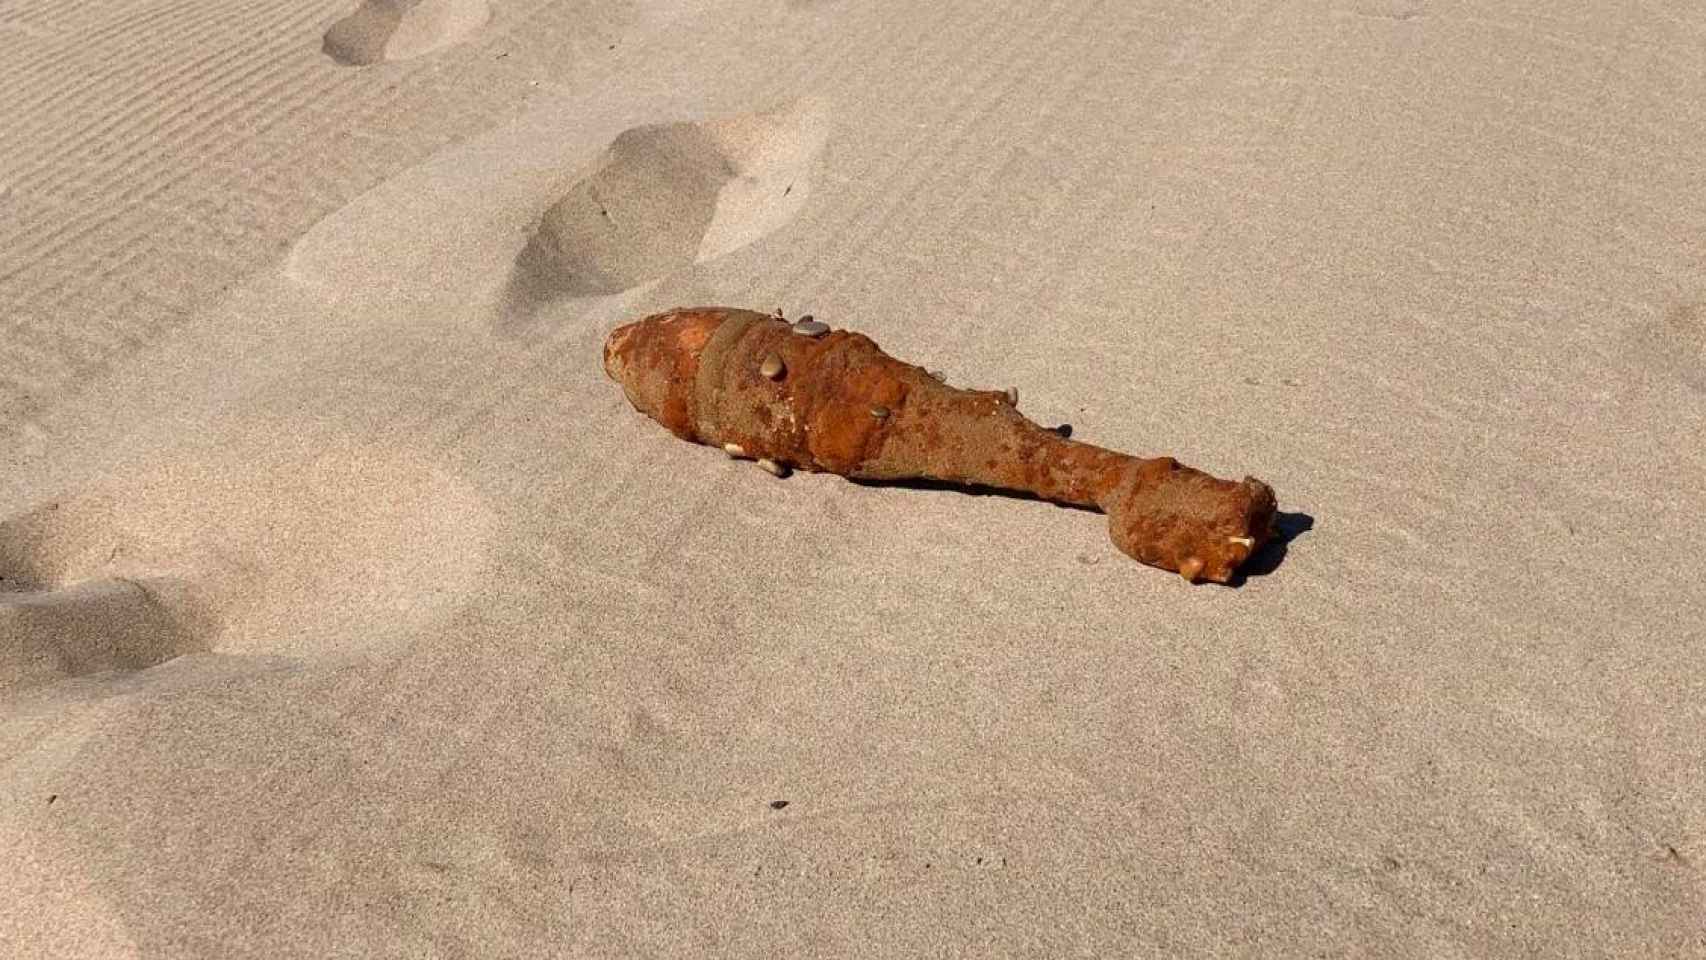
(381,30)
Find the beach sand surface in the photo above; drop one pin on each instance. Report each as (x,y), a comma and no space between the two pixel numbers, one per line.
(348,609)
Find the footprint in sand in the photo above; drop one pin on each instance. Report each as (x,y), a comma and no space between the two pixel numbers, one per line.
(96,626)
(55,623)
(381,30)
(665,196)
(284,548)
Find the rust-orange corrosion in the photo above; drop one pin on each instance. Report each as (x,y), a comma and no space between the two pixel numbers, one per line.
(794,396)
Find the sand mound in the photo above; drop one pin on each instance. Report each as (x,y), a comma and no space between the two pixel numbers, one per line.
(665,196)
(381,30)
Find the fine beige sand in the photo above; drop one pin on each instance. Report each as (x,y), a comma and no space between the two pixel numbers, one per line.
(347,609)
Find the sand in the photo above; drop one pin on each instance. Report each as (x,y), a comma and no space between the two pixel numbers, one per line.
(348,609)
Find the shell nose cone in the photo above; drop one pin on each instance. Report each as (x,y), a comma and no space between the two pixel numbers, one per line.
(656,360)
(613,343)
